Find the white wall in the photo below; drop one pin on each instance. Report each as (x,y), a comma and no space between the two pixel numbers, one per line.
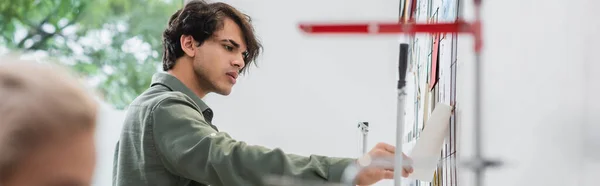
(540,93)
(108,130)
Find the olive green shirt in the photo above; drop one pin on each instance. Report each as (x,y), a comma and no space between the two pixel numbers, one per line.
(168,140)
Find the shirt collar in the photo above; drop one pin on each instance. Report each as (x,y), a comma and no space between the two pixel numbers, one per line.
(174,84)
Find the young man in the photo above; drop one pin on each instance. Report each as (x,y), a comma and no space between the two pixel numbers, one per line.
(47,124)
(168,137)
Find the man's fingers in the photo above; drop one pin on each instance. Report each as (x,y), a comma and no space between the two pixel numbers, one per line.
(381,153)
(386,147)
(388,174)
(406,171)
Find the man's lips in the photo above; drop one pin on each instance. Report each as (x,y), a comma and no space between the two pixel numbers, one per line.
(233,76)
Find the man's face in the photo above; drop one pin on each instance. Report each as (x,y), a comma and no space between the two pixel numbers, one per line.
(220,58)
(67,162)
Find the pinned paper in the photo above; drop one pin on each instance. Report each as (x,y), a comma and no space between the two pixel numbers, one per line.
(426,152)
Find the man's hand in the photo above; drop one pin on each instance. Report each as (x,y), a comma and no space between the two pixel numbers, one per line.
(372,175)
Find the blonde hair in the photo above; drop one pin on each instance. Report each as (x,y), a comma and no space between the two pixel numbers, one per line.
(39,104)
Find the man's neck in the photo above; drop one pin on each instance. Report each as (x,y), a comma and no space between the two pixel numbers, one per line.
(186,75)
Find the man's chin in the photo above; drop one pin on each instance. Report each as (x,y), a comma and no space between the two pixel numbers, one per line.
(223,91)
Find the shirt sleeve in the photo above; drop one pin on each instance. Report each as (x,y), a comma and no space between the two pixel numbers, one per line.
(191,148)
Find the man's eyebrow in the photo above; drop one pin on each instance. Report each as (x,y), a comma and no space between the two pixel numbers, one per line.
(235,44)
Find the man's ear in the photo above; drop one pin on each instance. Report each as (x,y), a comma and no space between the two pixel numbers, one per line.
(188,45)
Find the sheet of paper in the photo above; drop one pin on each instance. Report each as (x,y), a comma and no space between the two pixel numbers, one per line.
(426,152)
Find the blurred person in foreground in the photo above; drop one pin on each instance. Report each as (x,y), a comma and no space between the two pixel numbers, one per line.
(168,137)
(47,124)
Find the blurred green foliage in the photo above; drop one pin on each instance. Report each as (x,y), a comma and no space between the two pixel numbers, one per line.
(115,44)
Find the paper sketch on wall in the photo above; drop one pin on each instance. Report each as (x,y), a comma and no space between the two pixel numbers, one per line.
(425,153)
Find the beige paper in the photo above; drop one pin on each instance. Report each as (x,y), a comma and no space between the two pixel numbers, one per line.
(426,152)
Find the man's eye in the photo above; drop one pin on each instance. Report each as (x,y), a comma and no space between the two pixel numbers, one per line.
(228,48)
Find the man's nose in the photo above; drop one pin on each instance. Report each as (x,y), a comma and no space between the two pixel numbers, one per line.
(239,63)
